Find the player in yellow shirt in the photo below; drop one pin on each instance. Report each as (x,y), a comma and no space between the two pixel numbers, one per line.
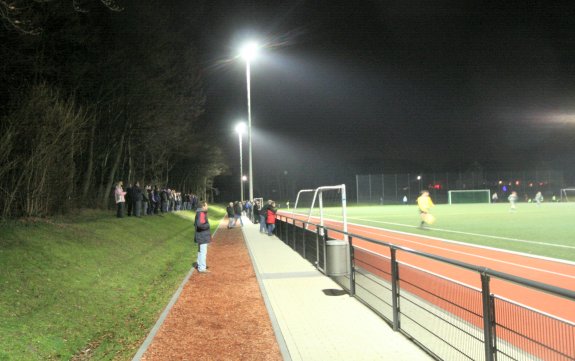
(424,203)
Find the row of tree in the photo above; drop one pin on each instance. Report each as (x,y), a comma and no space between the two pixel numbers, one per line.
(91,95)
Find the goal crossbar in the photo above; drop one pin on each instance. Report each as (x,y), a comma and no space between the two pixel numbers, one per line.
(563,194)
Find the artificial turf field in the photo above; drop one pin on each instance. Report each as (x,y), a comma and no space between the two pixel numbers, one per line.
(547,230)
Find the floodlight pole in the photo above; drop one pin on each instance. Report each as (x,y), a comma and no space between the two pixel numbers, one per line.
(251,174)
(241,167)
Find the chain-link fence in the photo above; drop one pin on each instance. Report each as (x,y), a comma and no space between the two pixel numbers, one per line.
(400,188)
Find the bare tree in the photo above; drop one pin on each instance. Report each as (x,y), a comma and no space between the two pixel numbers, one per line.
(25,15)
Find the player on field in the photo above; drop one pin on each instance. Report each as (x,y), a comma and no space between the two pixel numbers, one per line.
(512,200)
(538,198)
(424,203)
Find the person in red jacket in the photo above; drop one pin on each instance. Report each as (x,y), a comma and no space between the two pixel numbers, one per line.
(271,218)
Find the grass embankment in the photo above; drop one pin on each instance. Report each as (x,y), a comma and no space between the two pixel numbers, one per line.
(91,285)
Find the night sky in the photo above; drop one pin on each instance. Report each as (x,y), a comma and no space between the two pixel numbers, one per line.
(346,87)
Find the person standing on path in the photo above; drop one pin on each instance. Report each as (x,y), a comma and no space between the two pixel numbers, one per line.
(238,213)
(230,212)
(271,218)
(263,215)
(203,236)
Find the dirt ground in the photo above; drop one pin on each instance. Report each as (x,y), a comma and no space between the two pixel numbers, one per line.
(220,315)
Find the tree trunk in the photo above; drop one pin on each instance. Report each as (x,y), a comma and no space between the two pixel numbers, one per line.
(90,166)
(106,194)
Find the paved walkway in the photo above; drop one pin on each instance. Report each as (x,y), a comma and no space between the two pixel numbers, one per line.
(311,324)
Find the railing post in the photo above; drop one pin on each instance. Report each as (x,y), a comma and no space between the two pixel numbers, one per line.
(291,234)
(303,241)
(323,234)
(351,267)
(488,319)
(294,237)
(395,290)
(316,248)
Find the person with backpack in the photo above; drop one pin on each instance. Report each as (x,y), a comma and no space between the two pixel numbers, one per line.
(203,236)
(230,212)
(238,213)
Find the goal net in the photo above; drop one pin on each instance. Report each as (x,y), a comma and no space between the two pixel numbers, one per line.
(260,202)
(469,196)
(567,195)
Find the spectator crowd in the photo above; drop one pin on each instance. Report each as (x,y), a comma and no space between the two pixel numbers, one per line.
(137,201)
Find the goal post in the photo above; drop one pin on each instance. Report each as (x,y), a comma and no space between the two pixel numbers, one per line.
(567,195)
(318,204)
(469,196)
(327,204)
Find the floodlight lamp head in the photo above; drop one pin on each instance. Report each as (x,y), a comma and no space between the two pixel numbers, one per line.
(249,50)
(240,128)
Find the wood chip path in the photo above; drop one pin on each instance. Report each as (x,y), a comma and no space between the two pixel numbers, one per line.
(219,315)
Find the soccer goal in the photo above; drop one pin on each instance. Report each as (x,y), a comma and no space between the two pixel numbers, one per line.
(319,204)
(469,196)
(567,195)
(325,207)
(260,200)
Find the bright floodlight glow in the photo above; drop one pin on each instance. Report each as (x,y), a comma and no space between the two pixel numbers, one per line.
(244,178)
(249,50)
(241,128)
(418,177)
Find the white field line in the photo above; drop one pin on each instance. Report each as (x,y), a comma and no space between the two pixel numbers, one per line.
(475,234)
(478,256)
(557,260)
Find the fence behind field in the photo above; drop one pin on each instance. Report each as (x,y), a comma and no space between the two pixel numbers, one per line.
(449,319)
(391,188)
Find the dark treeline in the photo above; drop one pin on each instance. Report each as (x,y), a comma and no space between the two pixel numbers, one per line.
(95,92)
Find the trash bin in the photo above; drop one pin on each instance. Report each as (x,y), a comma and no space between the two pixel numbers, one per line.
(336,257)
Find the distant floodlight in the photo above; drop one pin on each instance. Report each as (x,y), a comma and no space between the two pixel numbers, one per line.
(245,178)
(418,177)
(249,50)
(240,128)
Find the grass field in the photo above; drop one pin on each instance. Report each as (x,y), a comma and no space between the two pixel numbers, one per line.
(545,230)
(89,286)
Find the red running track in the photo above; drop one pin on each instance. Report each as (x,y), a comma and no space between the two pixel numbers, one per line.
(548,271)
(552,272)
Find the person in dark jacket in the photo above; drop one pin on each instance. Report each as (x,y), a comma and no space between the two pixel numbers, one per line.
(203,236)
(230,212)
(137,199)
(129,199)
(156,194)
(257,206)
(271,218)
(238,213)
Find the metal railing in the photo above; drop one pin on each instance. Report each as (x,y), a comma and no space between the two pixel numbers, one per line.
(447,318)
